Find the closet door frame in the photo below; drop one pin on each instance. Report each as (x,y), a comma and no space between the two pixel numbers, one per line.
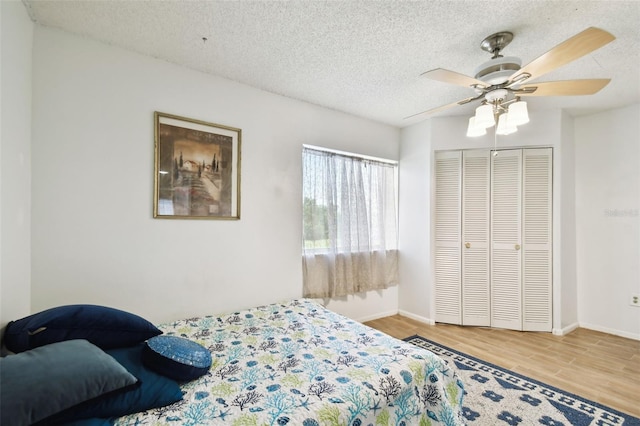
(519,278)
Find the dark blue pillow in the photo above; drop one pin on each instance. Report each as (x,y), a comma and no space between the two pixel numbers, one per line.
(41,382)
(176,357)
(104,327)
(154,391)
(90,422)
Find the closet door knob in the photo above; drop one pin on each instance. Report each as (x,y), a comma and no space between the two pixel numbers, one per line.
(467,245)
(517,246)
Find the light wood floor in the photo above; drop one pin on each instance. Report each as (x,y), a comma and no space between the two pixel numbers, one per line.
(597,366)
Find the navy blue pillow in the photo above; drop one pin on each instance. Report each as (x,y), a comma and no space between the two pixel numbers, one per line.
(154,391)
(176,357)
(90,422)
(41,382)
(103,326)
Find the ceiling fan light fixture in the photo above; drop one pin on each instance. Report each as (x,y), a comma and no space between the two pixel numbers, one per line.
(473,130)
(518,113)
(504,125)
(484,116)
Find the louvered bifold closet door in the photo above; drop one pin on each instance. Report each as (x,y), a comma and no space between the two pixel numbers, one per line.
(447,237)
(475,238)
(506,197)
(537,239)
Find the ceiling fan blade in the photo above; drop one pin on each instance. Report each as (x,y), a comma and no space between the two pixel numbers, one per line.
(569,50)
(452,77)
(564,88)
(443,107)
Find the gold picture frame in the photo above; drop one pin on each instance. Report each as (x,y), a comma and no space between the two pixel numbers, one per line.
(197,169)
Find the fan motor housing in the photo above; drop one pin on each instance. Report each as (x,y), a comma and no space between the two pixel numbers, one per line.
(498,70)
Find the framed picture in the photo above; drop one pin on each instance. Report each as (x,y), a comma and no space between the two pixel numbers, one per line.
(197,169)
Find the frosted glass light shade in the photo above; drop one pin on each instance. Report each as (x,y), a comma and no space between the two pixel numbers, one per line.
(504,126)
(473,130)
(484,116)
(518,113)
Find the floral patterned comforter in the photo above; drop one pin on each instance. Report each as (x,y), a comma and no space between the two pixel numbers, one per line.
(298,363)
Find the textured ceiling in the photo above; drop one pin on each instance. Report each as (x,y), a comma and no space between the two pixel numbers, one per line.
(364,57)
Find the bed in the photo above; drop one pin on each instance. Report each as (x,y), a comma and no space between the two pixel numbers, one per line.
(294,363)
(298,363)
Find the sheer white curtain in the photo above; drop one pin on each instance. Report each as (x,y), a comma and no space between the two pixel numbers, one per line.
(349,224)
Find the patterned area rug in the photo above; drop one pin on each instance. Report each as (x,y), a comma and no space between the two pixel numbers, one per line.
(496,396)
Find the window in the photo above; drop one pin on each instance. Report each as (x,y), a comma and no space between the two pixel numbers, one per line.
(349,223)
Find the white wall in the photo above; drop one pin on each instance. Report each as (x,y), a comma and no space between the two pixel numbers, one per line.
(94,238)
(415,293)
(419,142)
(566,301)
(15,163)
(607,171)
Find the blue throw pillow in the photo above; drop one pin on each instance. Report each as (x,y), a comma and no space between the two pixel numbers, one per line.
(41,382)
(176,357)
(154,391)
(103,326)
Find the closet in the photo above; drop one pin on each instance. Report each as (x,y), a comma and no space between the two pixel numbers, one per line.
(493,235)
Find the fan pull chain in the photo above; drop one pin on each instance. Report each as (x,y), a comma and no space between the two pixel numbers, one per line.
(495,142)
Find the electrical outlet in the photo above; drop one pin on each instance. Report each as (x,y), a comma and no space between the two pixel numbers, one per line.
(635,300)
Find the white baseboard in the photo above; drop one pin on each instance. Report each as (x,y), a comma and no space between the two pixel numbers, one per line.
(377,316)
(634,336)
(419,318)
(565,330)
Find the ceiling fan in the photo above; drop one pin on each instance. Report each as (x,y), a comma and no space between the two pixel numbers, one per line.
(501,81)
